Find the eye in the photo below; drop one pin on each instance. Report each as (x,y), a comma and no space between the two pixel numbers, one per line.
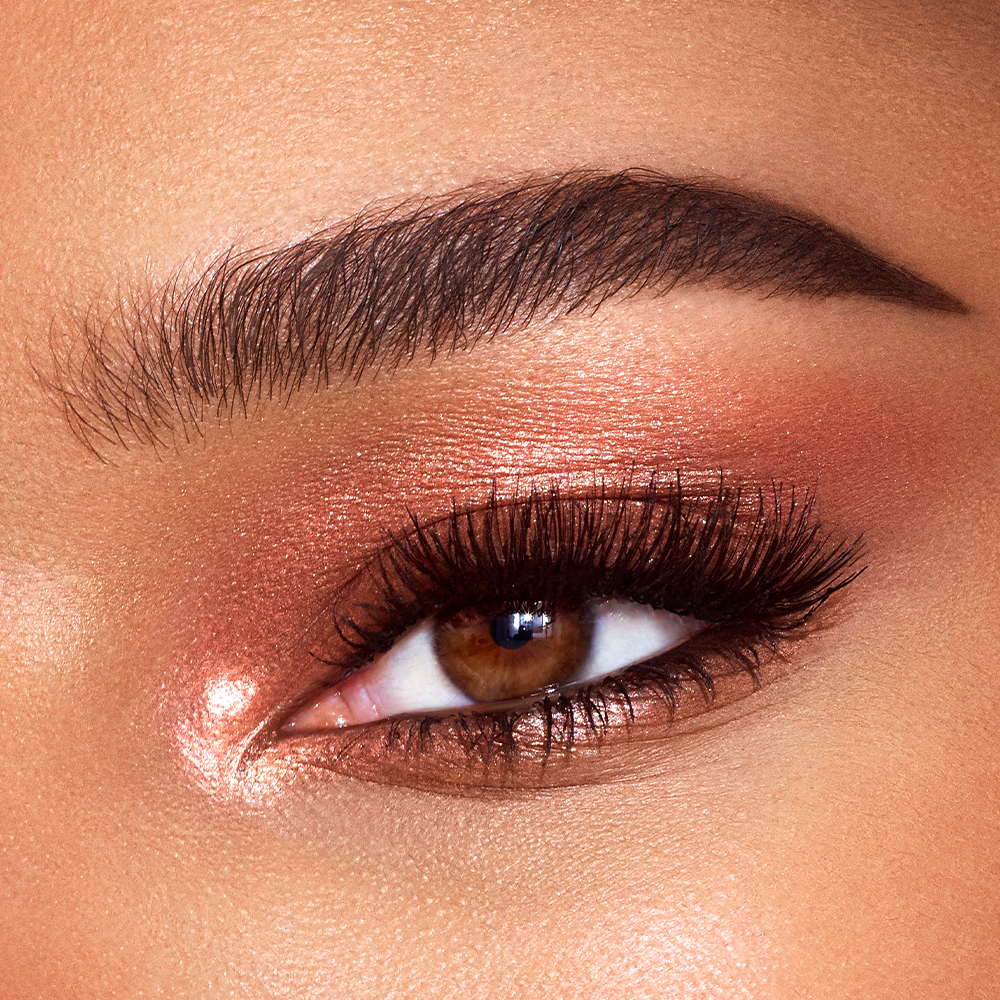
(472,658)
(513,643)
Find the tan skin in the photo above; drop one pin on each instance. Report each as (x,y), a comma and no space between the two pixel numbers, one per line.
(831,836)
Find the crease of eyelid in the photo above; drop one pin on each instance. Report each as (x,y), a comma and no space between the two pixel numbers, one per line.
(437,274)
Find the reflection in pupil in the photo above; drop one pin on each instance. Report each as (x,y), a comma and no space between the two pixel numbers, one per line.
(515,629)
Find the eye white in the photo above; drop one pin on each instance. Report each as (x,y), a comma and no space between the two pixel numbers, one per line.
(627,633)
(409,679)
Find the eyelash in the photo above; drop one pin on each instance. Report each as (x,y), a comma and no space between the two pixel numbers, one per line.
(753,566)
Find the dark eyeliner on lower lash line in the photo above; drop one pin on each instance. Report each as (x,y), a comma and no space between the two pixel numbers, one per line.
(753,564)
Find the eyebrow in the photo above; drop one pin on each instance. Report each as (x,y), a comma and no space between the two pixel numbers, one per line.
(438,275)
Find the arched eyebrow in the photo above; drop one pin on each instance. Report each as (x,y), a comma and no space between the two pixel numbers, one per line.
(438,275)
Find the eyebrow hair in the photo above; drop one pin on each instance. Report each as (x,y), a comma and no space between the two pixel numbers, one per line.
(438,275)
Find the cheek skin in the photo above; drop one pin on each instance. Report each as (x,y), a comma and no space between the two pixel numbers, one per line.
(241,639)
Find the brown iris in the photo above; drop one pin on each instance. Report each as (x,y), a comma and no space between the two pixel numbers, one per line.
(512,654)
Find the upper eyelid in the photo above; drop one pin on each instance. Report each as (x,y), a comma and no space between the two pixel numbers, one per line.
(662,518)
(441,273)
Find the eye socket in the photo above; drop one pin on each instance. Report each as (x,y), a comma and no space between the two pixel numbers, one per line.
(480,659)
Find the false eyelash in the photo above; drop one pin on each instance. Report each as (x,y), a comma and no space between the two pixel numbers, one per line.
(726,558)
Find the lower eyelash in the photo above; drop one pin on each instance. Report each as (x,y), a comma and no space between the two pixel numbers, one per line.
(554,740)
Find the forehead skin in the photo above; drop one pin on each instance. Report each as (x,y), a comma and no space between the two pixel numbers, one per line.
(838,842)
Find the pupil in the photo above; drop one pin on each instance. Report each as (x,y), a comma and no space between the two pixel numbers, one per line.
(511,631)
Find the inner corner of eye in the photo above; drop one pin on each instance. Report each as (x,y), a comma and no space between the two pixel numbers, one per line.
(476,658)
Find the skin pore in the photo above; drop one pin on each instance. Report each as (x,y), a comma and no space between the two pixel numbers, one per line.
(162,604)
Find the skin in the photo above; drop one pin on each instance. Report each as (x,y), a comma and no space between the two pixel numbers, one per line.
(833,835)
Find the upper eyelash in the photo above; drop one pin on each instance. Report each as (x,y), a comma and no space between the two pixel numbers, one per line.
(725,557)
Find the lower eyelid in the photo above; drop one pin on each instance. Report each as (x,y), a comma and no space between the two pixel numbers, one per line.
(524,750)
